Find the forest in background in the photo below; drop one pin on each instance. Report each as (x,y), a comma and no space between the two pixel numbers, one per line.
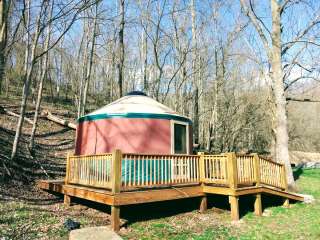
(209,60)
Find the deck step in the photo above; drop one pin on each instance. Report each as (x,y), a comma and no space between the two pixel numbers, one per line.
(94,233)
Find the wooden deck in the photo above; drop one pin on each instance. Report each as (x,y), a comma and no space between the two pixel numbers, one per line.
(165,194)
(153,178)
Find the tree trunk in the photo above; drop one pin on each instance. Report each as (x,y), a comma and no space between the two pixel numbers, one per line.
(85,36)
(214,117)
(121,49)
(282,153)
(145,62)
(27,79)
(194,76)
(40,88)
(89,66)
(60,69)
(4,9)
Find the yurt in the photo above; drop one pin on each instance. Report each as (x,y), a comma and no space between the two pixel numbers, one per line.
(134,123)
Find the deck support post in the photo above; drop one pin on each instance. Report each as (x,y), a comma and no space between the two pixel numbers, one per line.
(66,200)
(234,205)
(115,218)
(258,205)
(233,184)
(203,204)
(286,203)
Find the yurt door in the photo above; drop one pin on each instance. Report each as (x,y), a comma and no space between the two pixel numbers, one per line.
(179,145)
(179,137)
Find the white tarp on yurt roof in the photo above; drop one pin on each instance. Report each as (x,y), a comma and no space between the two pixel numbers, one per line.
(134,104)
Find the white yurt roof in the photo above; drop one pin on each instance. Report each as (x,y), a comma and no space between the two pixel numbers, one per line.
(134,103)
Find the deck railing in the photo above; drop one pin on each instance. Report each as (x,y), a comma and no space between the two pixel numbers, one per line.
(215,169)
(272,173)
(142,170)
(246,169)
(121,172)
(90,170)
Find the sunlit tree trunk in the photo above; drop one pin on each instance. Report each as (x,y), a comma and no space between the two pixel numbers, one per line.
(83,65)
(44,69)
(214,116)
(27,77)
(274,55)
(282,153)
(89,65)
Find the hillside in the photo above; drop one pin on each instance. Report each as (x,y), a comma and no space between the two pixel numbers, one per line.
(25,211)
(48,159)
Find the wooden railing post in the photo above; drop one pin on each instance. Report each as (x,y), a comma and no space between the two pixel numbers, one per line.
(256,162)
(116,171)
(67,178)
(201,167)
(232,170)
(284,178)
(116,187)
(66,198)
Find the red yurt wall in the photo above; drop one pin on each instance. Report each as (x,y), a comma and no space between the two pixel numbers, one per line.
(132,135)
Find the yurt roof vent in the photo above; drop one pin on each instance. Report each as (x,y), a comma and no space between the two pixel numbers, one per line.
(136,93)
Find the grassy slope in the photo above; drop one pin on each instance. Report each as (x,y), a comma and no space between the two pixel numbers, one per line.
(300,221)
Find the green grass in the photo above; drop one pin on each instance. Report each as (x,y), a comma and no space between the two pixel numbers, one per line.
(300,221)
(20,220)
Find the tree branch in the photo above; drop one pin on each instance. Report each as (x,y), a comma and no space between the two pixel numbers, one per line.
(256,23)
(288,45)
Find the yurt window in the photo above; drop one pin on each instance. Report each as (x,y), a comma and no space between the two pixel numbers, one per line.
(179,137)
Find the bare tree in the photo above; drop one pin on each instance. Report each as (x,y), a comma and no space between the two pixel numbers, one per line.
(144,42)
(27,72)
(89,65)
(32,58)
(194,75)
(4,12)
(43,72)
(274,52)
(121,47)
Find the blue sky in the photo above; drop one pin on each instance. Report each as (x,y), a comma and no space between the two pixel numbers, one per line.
(227,14)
